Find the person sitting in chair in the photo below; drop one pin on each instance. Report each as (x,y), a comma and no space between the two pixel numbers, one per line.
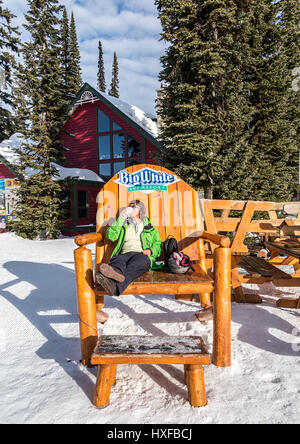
(138,247)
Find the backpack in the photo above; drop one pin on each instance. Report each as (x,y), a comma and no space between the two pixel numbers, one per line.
(175,261)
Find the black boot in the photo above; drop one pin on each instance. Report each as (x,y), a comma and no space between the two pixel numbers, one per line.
(108,284)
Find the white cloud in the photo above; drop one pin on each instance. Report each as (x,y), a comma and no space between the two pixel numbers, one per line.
(129,27)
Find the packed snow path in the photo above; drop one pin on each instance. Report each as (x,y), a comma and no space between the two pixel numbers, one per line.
(42,380)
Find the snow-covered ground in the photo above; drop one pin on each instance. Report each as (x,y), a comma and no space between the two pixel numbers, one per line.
(42,380)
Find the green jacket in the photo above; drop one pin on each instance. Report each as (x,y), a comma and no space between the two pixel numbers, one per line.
(149,237)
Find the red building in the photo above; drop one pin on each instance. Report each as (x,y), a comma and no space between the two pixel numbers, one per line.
(103,135)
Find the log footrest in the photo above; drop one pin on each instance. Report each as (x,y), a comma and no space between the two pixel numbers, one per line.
(113,350)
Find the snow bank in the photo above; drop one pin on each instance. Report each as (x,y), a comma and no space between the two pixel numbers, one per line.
(42,380)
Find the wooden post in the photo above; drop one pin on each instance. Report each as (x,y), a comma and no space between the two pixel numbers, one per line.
(114,374)
(222,308)
(86,303)
(196,385)
(204,297)
(103,385)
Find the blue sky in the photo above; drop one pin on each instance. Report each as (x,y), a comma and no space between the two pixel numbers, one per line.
(129,27)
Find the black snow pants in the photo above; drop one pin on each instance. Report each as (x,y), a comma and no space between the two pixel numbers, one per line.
(132,264)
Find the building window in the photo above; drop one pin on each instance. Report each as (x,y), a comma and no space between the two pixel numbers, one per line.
(104,147)
(117,148)
(132,162)
(105,169)
(133,147)
(103,122)
(118,166)
(83,204)
(116,127)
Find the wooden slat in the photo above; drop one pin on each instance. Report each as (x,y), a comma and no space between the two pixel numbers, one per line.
(189,216)
(287,248)
(255,226)
(150,349)
(292,282)
(288,303)
(153,359)
(263,267)
(292,208)
(153,344)
(160,276)
(209,219)
(238,205)
(238,242)
(164,288)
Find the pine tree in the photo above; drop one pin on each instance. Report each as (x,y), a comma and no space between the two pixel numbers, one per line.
(101,71)
(204,105)
(65,55)
(40,81)
(9,46)
(75,79)
(227,104)
(114,86)
(273,53)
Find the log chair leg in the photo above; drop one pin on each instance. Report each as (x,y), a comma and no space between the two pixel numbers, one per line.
(196,385)
(205,300)
(114,374)
(204,297)
(86,303)
(103,386)
(222,309)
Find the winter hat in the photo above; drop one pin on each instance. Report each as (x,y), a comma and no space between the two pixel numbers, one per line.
(141,207)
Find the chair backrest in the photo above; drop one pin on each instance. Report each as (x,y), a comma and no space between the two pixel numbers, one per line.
(171,205)
(240,218)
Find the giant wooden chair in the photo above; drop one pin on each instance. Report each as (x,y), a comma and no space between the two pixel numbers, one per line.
(173,208)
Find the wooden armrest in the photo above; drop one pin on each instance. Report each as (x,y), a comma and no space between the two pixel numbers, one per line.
(86,239)
(218,239)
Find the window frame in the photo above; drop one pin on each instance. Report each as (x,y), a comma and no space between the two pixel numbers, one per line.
(111,133)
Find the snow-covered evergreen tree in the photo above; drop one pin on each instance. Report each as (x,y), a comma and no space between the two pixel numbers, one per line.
(9,46)
(226,104)
(75,82)
(114,86)
(40,81)
(101,70)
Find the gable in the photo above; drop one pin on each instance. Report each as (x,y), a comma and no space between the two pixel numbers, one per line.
(88,94)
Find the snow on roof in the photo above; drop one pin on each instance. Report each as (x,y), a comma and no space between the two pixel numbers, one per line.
(15,141)
(79,173)
(133,112)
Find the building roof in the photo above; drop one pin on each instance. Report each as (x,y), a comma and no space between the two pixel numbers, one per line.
(137,117)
